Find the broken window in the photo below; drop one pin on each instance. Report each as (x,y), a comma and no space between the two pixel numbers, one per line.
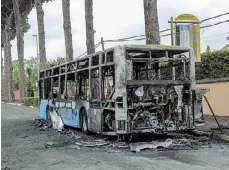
(56,71)
(95,60)
(71,86)
(95,84)
(47,88)
(83,84)
(42,74)
(62,87)
(110,56)
(142,71)
(166,69)
(55,88)
(107,81)
(83,63)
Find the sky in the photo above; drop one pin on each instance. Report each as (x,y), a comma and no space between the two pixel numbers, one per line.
(121,18)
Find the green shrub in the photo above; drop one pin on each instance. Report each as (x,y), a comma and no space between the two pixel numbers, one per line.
(213,65)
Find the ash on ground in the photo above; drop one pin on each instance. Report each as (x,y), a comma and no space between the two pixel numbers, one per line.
(172,141)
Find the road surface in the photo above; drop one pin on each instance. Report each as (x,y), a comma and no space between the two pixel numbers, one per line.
(24,147)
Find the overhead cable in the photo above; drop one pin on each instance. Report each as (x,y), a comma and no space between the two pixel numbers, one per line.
(227,13)
(221,22)
(126,38)
(96,46)
(215,35)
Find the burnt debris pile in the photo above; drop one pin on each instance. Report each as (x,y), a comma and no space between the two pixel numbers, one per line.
(43,124)
(171,141)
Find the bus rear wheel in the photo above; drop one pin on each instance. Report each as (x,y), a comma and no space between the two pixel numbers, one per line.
(84,122)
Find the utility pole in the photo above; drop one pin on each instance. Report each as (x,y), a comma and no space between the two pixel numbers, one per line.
(38,59)
(102,43)
(38,67)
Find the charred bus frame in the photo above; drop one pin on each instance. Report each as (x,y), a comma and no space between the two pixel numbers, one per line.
(124,90)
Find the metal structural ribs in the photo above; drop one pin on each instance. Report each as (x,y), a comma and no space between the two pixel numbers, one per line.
(111,92)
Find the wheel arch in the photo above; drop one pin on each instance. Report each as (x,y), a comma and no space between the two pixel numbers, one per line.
(81,114)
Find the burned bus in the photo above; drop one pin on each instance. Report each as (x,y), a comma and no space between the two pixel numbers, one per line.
(127,89)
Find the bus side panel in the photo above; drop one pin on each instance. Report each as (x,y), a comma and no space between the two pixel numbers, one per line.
(94,117)
(75,118)
(42,109)
(66,115)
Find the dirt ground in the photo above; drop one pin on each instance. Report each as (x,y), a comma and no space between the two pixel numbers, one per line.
(26,146)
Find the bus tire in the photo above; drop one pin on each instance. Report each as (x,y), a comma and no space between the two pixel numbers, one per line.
(84,122)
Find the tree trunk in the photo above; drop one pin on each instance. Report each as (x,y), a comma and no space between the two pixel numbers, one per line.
(20,48)
(9,69)
(2,75)
(5,76)
(151,22)
(11,84)
(41,33)
(67,29)
(89,26)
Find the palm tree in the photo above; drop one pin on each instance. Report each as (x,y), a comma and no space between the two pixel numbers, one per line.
(67,29)
(89,26)
(151,22)
(41,33)
(20,47)
(2,75)
(5,67)
(8,69)
(152,32)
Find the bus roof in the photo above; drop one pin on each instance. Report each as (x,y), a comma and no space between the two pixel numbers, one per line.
(157,47)
(149,47)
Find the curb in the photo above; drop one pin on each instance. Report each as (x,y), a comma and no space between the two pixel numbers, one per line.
(15,104)
(19,104)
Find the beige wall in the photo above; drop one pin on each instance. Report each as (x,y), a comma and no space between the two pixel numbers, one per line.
(218,97)
(17,94)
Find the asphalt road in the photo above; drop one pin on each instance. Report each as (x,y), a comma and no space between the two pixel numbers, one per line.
(24,147)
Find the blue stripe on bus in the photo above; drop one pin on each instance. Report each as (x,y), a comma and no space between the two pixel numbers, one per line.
(69,116)
(75,118)
(67,122)
(65,113)
(43,110)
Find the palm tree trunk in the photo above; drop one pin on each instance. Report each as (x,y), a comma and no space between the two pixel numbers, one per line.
(41,33)
(89,26)
(20,48)
(2,75)
(9,69)
(67,29)
(152,33)
(151,22)
(5,76)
